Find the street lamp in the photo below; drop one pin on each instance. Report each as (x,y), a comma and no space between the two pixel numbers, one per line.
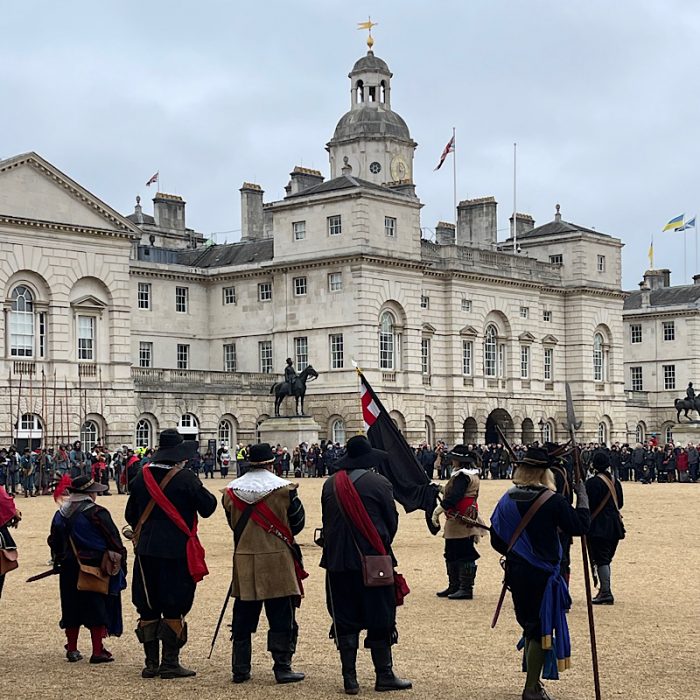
(541,423)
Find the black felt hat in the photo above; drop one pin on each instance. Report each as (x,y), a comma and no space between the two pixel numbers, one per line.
(84,484)
(535,458)
(172,447)
(461,453)
(261,454)
(600,461)
(359,453)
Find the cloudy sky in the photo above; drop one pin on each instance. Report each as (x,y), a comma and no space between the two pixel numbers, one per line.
(600,96)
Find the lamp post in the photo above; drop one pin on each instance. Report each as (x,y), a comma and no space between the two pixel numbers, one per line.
(541,423)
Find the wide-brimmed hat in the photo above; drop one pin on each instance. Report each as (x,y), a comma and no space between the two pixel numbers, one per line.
(600,461)
(535,458)
(555,450)
(461,453)
(172,447)
(360,453)
(261,454)
(84,484)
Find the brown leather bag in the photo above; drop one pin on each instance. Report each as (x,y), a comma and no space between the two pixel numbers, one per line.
(111,563)
(90,578)
(8,557)
(377,569)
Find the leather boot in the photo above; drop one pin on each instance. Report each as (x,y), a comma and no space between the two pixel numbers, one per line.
(604,596)
(282,646)
(538,693)
(452,578)
(384,669)
(466,582)
(347,646)
(147,634)
(173,634)
(240,662)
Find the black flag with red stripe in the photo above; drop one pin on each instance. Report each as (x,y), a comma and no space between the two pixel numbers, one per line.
(412,488)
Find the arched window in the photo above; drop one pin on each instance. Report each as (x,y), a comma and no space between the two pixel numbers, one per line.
(29,432)
(668,434)
(491,351)
(188,426)
(225,433)
(88,434)
(602,433)
(360,91)
(22,322)
(338,431)
(430,431)
(143,433)
(598,358)
(640,433)
(547,432)
(382,92)
(387,341)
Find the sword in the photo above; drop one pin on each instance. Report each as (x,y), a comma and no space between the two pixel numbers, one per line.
(43,574)
(221,619)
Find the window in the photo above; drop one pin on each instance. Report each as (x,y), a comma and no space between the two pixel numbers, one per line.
(334,225)
(669,376)
(230,357)
(265,356)
(229,295)
(299,286)
(547,316)
(598,369)
(299,230)
(603,433)
(524,361)
(557,259)
(501,359)
(338,431)
(601,263)
(636,379)
(490,351)
(88,434)
(467,355)
(375,168)
(42,334)
(335,341)
(669,330)
(387,342)
(301,353)
(424,302)
(181,299)
(547,432)
(524,312)
(145,354)
(548,364)
(225,431)
(143,433)
(144,295)
(636,333)
(390,226)
(183,356)
(466,304)
(86,338)
(640,433)
(335,281)
(668,434)
(425,355)
(265,291)
(22,323)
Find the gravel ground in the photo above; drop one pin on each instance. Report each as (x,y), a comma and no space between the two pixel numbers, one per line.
(648,642)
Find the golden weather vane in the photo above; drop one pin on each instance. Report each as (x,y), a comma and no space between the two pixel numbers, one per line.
(368,26)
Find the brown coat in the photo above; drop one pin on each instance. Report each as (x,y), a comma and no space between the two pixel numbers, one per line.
(457,529)
(263,566)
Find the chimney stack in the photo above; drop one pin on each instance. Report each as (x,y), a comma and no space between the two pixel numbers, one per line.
(302,179)
(251,212)
(445,233)
(476,222)
(169,211)
(524,223)
(657,279)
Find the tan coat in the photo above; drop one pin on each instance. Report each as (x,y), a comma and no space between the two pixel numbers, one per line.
(456,529)
(263,566)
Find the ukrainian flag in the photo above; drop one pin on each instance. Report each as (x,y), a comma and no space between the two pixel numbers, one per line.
(675,223)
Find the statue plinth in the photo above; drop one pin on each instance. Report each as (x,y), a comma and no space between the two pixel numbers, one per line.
(289,431)
(683,433)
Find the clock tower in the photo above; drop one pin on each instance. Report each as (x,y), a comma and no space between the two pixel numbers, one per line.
(371,139)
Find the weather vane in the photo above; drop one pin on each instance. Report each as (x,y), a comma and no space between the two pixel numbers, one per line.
(368,26)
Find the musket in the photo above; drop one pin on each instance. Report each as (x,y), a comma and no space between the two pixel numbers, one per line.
(573,425)
(221,619)
(43,574)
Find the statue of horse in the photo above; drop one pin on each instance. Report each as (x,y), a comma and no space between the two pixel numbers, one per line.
(282,389)
(686,405)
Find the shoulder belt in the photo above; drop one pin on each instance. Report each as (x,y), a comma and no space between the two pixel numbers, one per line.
(529,515)
(611,494)
(151,505)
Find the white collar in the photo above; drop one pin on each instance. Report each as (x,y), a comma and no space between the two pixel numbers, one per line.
(256,484)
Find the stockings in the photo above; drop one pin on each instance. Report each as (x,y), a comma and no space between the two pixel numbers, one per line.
(72,638)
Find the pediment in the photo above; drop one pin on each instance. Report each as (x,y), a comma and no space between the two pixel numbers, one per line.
(549,340)
(88,302)
(31,188)
(469,331)
(526,337)
(428,329)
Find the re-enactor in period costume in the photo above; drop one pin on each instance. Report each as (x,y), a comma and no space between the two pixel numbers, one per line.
(355,494)
(82,533)
(524,528)
(607,529)
(561,466)
(462,530)
(162,510)
(265,513)
(9,517)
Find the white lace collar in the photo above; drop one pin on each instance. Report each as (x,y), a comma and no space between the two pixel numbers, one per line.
(256,484)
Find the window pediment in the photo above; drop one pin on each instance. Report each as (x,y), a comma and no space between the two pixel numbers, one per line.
(526,337)
(88,304)
(428,329)
(549,340)
(469,332)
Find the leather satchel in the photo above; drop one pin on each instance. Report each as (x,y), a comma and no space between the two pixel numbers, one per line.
(111,563)
(377,569)
(90,578)
(8,557)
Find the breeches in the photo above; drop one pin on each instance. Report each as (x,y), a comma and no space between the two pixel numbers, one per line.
(602,550)
(168,590)
(461,549)
(527,585)
(355,607)
(279,613)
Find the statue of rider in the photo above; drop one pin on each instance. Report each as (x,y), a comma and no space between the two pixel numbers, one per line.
(690,392)
(290,374)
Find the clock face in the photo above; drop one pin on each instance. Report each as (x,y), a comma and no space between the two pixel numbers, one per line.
(375,167)
(399,169)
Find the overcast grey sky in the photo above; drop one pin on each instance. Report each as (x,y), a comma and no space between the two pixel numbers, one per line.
(600,96)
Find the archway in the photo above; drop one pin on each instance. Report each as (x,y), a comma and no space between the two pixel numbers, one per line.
(528,432)
(29,432)
(501,418)
(470,431)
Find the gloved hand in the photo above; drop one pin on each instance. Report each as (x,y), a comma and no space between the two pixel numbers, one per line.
(581,495)
(436,515)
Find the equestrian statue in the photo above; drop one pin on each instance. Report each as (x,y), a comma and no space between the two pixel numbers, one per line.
(293,385)
(689,403)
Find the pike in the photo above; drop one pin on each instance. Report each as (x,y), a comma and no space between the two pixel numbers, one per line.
(573,425)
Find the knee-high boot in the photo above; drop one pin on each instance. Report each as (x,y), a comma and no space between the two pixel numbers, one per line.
(347,646)
(147,634)
(452,579)
(605,596)
(241,658)
(467,574)
(384,669)
(282,646)
(173,634)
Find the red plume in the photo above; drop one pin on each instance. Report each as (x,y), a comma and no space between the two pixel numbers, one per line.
(60,489)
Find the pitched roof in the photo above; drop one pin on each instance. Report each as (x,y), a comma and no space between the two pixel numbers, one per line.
(344,182)
(666,296)
(241,253)
(559,227)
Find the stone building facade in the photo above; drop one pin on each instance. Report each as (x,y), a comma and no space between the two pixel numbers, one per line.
(145,326)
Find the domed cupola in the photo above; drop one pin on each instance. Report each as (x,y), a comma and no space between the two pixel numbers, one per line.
(372,139)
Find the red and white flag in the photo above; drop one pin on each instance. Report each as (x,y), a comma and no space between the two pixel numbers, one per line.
(153,179)
(448,149)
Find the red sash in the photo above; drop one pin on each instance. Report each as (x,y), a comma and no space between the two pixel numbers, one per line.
(263,517)
(196,564)
(463,504)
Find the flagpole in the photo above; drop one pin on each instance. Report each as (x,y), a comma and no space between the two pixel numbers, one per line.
(515,208)
(454,173)
(685,257)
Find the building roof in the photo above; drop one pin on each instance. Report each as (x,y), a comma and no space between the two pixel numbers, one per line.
(666,296)
(142,218)
(241,253)
(371,121)
(555,227)
(344,182)
(370,62)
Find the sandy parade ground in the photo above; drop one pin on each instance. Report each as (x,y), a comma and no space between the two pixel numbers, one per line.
(649,643)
